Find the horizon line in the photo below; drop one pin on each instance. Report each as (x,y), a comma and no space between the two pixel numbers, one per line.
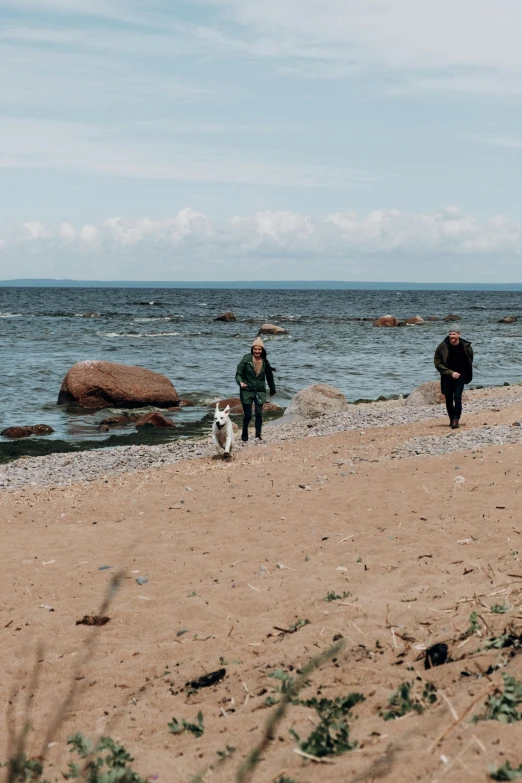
(249,284)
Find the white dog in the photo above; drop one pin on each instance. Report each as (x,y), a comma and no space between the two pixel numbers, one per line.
(222,432)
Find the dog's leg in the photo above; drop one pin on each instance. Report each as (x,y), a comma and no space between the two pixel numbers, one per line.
(228,446)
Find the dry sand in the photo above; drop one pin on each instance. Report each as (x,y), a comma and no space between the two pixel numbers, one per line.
(234,551)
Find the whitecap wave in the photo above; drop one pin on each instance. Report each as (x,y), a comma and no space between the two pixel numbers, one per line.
(138,334)
(11,315)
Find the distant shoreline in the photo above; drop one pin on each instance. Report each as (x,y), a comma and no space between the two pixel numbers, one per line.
(293,285)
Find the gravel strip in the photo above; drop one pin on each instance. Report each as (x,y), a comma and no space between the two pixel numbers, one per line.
(461,441)
(63,469)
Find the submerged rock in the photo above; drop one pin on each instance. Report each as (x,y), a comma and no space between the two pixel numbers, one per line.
(226,316)
(98,384)
(452,317)
(272,329)
(386,320)
(509,319)
(156,419)
(416,319)
(27,431)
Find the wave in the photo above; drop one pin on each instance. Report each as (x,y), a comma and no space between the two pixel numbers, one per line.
(153,303)
(11,315)
(138,334)
(158,318)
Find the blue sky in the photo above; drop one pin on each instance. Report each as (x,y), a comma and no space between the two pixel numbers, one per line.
(239,139)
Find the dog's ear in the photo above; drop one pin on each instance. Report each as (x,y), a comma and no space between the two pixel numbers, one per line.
(217,407)
(227,409)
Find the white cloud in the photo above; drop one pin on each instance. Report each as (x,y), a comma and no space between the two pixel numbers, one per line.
(271,245)
(284,233)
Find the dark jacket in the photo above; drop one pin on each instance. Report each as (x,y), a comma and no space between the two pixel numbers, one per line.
(441,357)
(255,388)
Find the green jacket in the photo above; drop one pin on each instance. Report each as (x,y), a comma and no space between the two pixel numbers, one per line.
(256,388)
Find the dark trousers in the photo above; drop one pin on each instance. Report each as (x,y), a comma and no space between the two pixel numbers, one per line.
(247,416)
(453,395)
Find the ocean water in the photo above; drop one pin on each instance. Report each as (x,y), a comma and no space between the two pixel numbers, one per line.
(172,331)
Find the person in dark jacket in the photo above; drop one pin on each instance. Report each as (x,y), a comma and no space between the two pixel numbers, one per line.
(253,371)
(454,360)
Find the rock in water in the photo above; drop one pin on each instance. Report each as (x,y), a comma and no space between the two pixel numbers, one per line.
(452,317)
(415,320)
(236,407)
(509,319)
(27,431)
(317,400)
(386,320)
(226,316)
(272,329)
(425,394)
(156,419)
(98,384)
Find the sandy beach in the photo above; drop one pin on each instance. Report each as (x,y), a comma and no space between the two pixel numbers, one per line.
(405,526)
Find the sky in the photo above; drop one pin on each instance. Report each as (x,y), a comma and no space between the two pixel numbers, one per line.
(249,140)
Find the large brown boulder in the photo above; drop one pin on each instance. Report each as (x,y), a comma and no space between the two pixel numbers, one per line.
(27,431)
(97,384)
(226,316)
(320,399)
(386,320)
(416,319)
(272,329)
(425,394)
(155,419)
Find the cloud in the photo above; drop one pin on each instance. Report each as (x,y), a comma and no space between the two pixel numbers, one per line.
(285,233)
(98,149)
(456,46)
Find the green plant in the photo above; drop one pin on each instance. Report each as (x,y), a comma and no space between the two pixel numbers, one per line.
(97,767)
(225,754)
(299,623)
(20,769)
(332,736)
(503,706)
(332,596)
(500,608)
(197,729)
(100,767)
(404,700)
(247,768)
(284,779)
(506,772)
(474,625)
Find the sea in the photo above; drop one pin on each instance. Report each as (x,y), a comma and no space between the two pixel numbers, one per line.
(44,331)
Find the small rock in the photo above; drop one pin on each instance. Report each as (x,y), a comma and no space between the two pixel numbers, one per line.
(27,431)
(272,329)
(226,316)
(508,319)
(156,419)
(386,320)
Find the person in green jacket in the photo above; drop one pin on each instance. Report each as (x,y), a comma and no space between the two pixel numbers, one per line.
(253,371)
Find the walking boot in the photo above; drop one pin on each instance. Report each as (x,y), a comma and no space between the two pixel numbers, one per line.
(454,424)
(244,434)
(258,435)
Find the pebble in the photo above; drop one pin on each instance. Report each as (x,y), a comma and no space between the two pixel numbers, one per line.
(64,469)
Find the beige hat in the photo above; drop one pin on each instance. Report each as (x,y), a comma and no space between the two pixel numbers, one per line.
(258,341)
